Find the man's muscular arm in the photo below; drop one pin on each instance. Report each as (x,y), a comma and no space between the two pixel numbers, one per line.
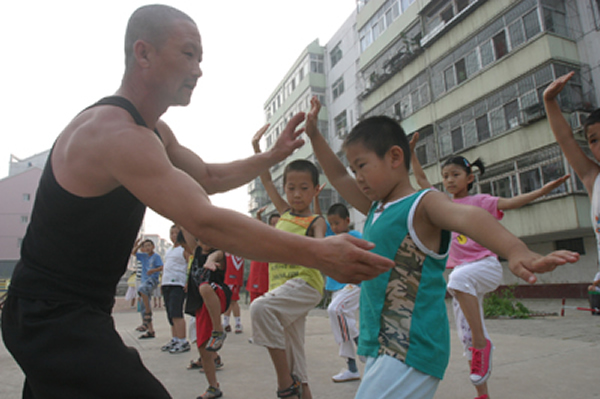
(174,194)
(216,178)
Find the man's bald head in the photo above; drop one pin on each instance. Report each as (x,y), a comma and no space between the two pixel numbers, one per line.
(152,24)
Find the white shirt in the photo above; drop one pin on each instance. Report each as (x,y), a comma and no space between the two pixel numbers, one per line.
(175,268)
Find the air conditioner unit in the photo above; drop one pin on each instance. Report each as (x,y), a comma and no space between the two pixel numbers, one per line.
(578,119)
(532,114)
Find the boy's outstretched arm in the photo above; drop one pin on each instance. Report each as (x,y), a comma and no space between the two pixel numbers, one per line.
(524,199)
(479,225)
(416,165)
(584,167)
(334,169)
(265,177)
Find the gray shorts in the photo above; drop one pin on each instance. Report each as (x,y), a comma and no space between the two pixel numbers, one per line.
(147,287)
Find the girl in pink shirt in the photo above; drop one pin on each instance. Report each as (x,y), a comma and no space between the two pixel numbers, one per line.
(476,269)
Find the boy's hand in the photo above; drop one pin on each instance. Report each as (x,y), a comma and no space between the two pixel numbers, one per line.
(211,265)
(556,87)
(525,266)
(413,142)
(312,118)
(256,138)
(288,141)
(319,188)
(345,259)
(549,187)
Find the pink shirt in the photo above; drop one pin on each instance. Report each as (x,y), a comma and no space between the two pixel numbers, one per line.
(463,249)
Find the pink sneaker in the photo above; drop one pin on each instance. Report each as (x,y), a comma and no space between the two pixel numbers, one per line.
(484,396)
(481,364)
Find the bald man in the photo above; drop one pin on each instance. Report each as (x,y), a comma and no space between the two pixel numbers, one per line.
(91,201)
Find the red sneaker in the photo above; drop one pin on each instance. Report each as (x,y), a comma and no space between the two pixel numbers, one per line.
(481,364)
(484,396)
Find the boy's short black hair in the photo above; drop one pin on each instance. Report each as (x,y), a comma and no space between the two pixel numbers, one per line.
(338,209)
(592,119)
(302,165)
(379,134)
(148,240)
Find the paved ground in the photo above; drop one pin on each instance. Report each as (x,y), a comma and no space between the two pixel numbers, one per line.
(545,357)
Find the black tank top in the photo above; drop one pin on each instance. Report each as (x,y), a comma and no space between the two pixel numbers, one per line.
(76,248)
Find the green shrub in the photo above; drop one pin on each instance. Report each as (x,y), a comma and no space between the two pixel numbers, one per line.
(503,304)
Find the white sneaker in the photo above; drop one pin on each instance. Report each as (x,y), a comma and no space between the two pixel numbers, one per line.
(180,347)
(346,375)
(238,329)
(168,346)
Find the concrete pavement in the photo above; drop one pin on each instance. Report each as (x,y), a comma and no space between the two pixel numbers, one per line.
(543,357)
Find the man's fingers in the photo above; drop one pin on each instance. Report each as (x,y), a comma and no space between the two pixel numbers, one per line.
(298,132)
(260,132)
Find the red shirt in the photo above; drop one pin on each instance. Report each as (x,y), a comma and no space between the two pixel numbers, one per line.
(234,274)
(258,280)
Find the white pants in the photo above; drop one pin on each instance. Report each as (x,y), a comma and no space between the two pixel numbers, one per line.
(475,278)
(342,316)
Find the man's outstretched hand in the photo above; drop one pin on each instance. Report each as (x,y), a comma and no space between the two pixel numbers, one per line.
(347,259)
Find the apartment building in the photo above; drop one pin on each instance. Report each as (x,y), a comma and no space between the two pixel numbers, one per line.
(468,75)
(17,192)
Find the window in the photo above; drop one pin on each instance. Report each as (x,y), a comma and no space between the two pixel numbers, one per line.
(461,71)
(572,244)
(449,78)
(500,45)
(483,128)
(26,197)
(341,124)
(421,154)
(338,87)
(457,139)
(24,219)
(316,63)
(511,114)
(335,55)
(532,24)
(555,18)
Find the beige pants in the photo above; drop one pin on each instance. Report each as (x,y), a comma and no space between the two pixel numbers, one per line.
(279,318)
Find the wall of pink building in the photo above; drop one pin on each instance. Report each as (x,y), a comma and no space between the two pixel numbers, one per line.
(14,208)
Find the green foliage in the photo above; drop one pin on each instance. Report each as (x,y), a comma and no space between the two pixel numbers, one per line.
(504,304)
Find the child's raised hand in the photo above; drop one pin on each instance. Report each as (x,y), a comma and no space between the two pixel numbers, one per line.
(312,118)
(257,136)
(556,87)
(525,266)
(413,142)
(319,188)
(548,187)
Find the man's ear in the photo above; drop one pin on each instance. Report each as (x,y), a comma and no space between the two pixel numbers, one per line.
(142,51)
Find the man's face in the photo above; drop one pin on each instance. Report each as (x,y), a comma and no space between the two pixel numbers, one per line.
(178,63)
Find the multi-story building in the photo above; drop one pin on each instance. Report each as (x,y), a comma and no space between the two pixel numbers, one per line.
(468,75)
(328,72)
(17,192)
(305,79)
